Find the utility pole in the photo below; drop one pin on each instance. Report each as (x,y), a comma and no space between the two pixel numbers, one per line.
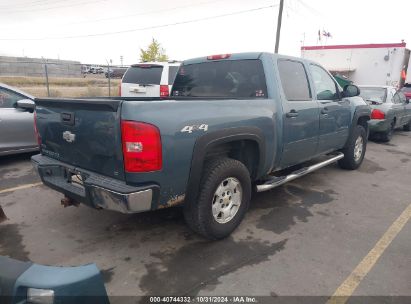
(280,17)
(121,60)
(47,77)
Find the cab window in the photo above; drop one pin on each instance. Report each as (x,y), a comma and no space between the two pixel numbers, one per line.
(294,80)
(325,86)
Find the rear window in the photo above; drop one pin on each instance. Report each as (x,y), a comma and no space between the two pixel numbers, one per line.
(373,94)
(143,74)
(228,78)
(172,72)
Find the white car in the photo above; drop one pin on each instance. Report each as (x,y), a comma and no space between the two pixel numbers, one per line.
(149,79)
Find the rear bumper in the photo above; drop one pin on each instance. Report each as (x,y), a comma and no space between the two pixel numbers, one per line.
(92,189)
(378,125)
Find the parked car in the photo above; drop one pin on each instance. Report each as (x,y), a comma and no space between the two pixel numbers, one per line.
(116,72)
(406,89)
(390,110)
(16,121)
(233,122)
(149,79)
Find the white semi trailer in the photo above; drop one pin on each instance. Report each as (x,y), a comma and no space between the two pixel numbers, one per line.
(369,64)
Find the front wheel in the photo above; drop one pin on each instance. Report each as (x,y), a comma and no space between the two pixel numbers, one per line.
(354,151)
(223,200)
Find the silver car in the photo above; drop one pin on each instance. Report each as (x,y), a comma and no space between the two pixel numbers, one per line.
(390,110)
(17,133)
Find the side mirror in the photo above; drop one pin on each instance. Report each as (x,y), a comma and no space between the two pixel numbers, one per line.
(351,90)
(27,104)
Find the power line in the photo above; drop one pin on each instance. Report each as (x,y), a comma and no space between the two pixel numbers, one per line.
(143,28)
(140,14)
(51,8)
(31,4)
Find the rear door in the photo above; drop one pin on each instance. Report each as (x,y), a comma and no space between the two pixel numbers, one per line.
(16,125)
(335,112)
(300,114)
(142,80)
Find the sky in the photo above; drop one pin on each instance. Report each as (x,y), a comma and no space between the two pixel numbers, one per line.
(95,31)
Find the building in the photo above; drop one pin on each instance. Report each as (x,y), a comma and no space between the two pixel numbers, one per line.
(373,64)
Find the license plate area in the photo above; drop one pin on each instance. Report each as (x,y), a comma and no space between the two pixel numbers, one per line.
(76,180)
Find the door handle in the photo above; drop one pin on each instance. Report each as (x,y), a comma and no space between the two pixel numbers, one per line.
(292,113)
(324,110)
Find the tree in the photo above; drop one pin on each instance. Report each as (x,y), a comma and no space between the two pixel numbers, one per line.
(154,52)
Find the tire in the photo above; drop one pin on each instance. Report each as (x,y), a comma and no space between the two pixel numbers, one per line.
(352,160)
(407,127)
(387,135)
(205,219)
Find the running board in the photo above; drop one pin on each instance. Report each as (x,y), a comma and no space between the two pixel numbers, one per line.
(278,181)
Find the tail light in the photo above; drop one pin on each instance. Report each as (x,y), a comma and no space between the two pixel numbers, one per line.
(218,57)
(141,146)
(36,131)
(164,91)
(377,114)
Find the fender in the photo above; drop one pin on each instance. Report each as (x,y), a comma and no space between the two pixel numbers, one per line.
(212,139)
(360,111)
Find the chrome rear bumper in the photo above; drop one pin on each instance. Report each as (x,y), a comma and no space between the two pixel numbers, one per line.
(94,190)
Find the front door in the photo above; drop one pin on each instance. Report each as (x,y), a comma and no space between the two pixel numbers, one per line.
(300,114)
(335,113)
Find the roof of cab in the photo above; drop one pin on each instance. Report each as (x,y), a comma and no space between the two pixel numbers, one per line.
(242,56)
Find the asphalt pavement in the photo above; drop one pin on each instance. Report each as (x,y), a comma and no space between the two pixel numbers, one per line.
(305,238)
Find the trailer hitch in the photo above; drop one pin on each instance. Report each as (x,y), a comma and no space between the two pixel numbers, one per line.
(3,216)
(68,201)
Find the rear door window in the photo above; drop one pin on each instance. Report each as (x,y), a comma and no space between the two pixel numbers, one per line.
(227,78)
(172,72)
(143,74)
(294,80)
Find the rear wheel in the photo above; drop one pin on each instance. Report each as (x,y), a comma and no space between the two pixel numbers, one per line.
(355,149)
(223,199)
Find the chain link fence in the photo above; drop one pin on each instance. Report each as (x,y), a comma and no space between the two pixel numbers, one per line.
(58,78)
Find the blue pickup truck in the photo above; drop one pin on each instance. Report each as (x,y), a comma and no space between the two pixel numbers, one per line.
(233,123)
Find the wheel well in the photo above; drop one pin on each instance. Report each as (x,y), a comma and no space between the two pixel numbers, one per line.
(363,121)
(245,151)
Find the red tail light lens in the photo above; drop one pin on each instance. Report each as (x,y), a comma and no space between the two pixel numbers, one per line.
(36,131)
(141,146)
(164,92)
(377,114)
(218,57)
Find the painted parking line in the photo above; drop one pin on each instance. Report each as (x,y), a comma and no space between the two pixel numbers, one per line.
(347,288)
(20,187)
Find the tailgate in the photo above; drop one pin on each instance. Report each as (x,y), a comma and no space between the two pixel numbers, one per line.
(84,133)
